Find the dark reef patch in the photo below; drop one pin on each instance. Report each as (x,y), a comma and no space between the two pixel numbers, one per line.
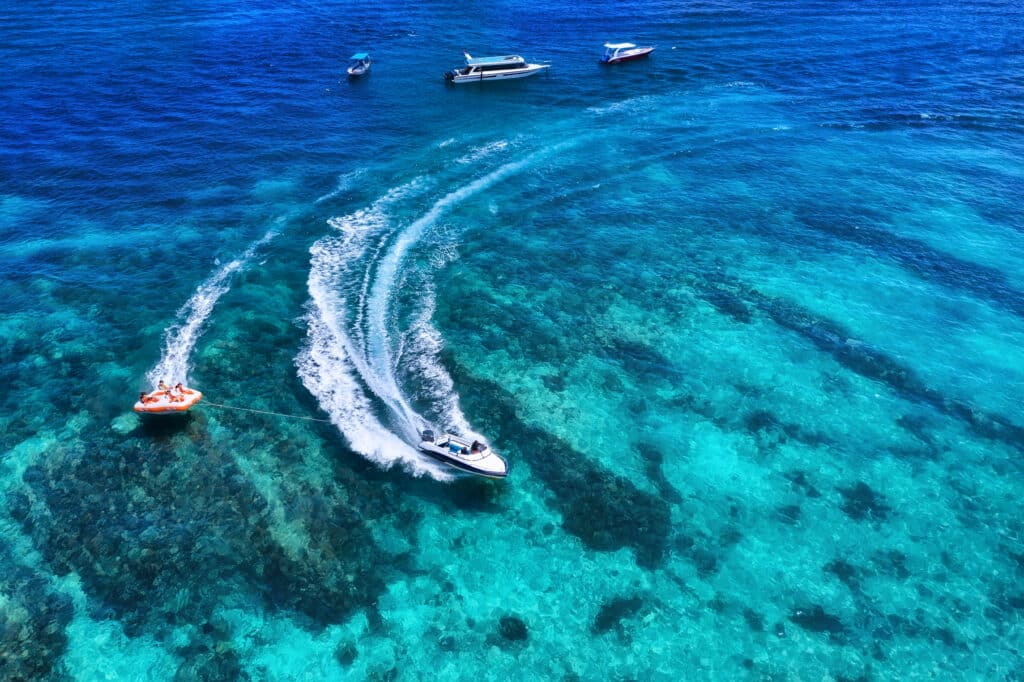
(474,495)
(701,407)
(892,563)
(763,425)
(861,502)
(800,482)
(861,358)
(220,665)
(706,552)
(554,382)
(885,627)
(753,619)
(847,573)
(1005,601)
(788,514)
(346,653)
(512,629)
(612,613)
(156,538)
(639,360)
(918,257)
(654,458)
(816,619)
(702,558)
(770,430)
(725,301)
(918,427)
(1016,559)
(606,511)
(33,622)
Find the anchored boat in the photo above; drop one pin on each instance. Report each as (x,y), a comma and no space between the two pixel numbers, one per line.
(166,400)
(493,68)
(472,457)
(623,52)
(358,65)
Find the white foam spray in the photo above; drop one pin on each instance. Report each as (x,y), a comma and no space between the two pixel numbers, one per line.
(483,151)
(332,364)
(420,357)
(379,355)
(345,181)
(349,362)
(180,338)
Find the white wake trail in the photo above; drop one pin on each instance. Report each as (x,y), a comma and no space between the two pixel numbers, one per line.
(349,363)
(420,357)
(345,182)
(379,354)
(180,338)
(331,364)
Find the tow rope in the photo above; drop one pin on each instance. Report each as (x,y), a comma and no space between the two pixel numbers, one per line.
(249,409)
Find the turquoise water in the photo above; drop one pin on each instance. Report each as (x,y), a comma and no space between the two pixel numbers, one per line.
(745,319)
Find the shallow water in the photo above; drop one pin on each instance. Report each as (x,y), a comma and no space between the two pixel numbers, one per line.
(745,319)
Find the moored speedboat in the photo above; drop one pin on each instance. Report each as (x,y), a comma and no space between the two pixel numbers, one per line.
(493,68)
(168,400)
(623,52)
(472,457)
(358,64)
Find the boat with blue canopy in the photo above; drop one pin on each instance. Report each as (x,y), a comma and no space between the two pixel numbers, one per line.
(359,64)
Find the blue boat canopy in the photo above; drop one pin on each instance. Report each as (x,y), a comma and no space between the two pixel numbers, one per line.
(360,56)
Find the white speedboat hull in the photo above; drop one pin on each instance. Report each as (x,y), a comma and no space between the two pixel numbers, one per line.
(530,70)
(458,454)
(627,55)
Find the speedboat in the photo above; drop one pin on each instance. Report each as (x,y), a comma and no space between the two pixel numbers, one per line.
(358,64)
(472,457)
(493,68)
(168,400)
(623,52)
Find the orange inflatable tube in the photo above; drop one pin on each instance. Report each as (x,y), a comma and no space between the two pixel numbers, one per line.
(167,402)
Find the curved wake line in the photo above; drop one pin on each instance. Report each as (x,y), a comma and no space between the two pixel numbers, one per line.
(322,369)
(379,348)
(329,362)
(345,181)
(423,347)
(349,362)
(180,338)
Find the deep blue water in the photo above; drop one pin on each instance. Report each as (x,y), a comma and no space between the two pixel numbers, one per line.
(745,318)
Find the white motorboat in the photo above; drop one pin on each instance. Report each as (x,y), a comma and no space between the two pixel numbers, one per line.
(623,52)
(472,457)
(359,64)
(493,68)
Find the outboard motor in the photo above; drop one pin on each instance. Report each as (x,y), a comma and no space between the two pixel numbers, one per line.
(428,435)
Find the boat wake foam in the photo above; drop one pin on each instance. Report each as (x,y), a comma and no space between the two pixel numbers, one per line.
(630,105)
(350,362)
(345,182)
(483,151)
(332,364)
(180,338)
(419,358)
